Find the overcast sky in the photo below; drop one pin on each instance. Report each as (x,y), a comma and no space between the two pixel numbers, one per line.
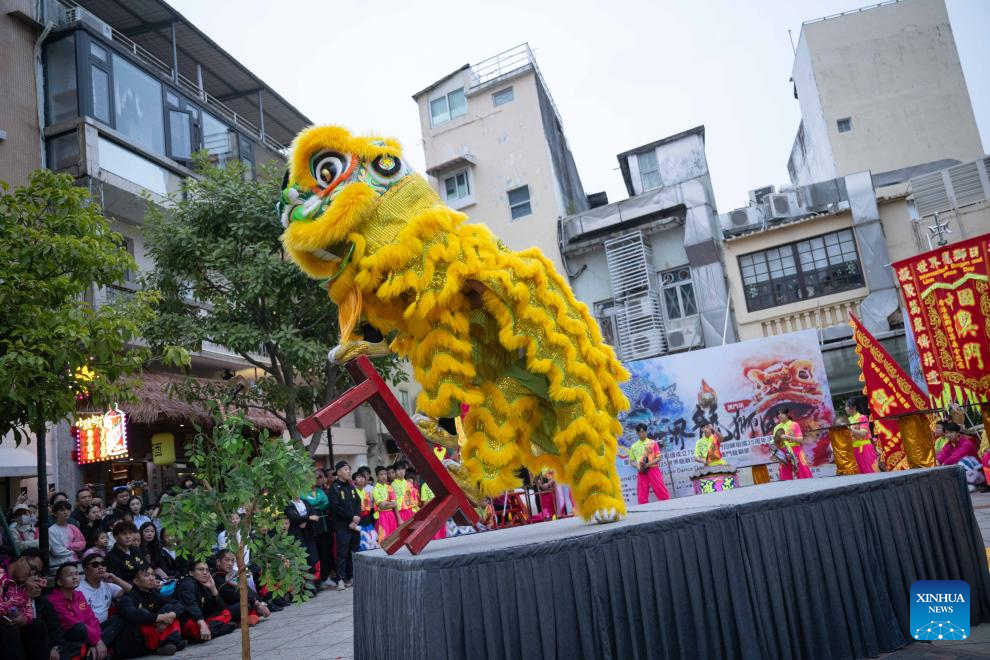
(623,73)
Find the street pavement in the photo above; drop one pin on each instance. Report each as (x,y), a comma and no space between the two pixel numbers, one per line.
(323,628)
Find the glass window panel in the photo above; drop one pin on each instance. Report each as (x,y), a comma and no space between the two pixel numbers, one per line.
(63,151)
(746,260)
(171,99)
(834,253)
(138,106)
(831,239)
(457,103)
(217,140)
(450,186)
(101,94)
(687,298)
(502,97)
(651,180)
(98,51)
(60,78)
(438,111)
(180,135)
(463,189)
(647,161)
(521,210)
(672,303)
(519,195)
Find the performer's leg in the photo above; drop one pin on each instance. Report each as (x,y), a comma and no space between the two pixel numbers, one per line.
(803,471)
(587,446)
(655,477)
(642,488)
(786,473)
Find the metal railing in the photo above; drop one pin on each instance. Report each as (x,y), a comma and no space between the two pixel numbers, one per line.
(505,64)
(182,82)
(851,11)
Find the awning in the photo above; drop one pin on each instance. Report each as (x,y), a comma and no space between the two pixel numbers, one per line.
(19,461)
(156,402)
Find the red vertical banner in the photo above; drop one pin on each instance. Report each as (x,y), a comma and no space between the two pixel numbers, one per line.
(947,294)
(890,392)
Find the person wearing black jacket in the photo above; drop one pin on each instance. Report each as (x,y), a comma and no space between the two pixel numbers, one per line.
(302,517)
(206,614)
(226,580)
(80,514)
(124,559)
(345,506)
(151,619)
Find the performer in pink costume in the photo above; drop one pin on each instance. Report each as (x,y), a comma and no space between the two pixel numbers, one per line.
(644,455)
(862,439)
(384,500)
(406,493)
(792,437)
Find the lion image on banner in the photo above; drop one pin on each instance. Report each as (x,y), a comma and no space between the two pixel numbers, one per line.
(497,330)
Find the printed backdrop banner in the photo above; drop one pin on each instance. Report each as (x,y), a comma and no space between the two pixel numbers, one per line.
(737,387)
(947,294)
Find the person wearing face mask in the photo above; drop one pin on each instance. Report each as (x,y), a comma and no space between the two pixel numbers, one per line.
(79,625)
(24,531)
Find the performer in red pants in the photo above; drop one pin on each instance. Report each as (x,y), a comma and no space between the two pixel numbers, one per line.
(644,454)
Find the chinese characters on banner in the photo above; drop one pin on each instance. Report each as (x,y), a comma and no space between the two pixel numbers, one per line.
(890,391)
(948,303)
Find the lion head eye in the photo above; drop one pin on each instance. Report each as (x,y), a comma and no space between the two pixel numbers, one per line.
(327,167)
(387,166)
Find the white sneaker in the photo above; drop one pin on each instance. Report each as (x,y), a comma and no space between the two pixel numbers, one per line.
(341,586)
(328,583)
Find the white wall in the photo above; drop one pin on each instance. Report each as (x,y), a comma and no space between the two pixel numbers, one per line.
(811,155)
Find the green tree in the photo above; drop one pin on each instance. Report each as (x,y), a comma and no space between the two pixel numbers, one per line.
(237,469)
(225,279)
(56,245)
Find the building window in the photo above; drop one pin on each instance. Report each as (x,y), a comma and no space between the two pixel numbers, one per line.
(678,293)
(450,106)
(456,186)
(404,400)
(138,106)
(218,140)
(519,205)
(845,124)
(807,269)
(60,74)
(502,96)
(649,171)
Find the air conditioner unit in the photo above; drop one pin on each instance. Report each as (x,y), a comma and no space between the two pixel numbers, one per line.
(783,205)
(682,338)
(80,15)
(748,217)
(643,345)
(757,196)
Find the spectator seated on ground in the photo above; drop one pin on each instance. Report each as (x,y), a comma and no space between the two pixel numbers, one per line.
(125,556)
(205,615)
(102,591)
(80,628)
(24,531)
(29,627)
(65,540)
(225,579)
(957,446)
(150,619)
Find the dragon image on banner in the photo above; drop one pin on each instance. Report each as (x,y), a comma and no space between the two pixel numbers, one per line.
(737,388)
(497,330)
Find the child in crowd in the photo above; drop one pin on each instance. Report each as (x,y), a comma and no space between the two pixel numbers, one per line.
(369,539)
(406,493)
(384,502)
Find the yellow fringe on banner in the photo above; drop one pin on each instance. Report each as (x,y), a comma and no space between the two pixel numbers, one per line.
(918,440)
(842,451)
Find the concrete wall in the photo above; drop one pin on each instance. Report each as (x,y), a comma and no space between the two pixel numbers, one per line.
(811,156)
(679,161)
(895,72)
(20,153)
(511,150)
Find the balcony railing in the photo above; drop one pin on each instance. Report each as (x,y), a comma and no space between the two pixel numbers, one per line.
(506,63)
(817,318)
(186,85)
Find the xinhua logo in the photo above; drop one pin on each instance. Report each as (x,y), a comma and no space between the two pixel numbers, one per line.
(940,610)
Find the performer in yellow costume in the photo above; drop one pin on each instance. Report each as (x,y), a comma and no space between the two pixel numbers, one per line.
(499,331)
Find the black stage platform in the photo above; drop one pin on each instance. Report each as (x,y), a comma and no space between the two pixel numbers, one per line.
(809,569)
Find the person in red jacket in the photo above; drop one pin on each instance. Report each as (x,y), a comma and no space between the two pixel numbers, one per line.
(957,446)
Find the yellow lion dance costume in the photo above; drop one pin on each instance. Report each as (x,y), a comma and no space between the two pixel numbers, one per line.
(497,330)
